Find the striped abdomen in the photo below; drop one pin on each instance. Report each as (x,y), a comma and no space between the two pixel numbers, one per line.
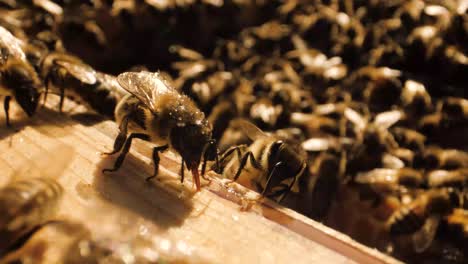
(25,205)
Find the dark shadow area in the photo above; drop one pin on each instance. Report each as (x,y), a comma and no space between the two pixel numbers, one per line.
(44,120)
(144,38)
(88,118)
(127,188)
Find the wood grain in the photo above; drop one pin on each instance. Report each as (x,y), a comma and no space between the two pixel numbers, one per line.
(205,227)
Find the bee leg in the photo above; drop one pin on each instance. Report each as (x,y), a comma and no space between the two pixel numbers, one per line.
(226,154)
(126,148)
(270,176)
(46,90)
(6,106)
(182,176)
(208,150)
(286,192)
(121,138)
(156,160)
(243,162)
(62,98)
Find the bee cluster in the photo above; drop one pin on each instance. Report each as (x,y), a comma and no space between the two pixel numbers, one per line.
(333,108)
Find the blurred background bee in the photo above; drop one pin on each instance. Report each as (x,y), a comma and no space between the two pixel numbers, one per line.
(32,196)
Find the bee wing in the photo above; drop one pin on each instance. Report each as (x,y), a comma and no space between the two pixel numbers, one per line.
(49,6)
(12,44)
(186,53)
(423,238)
(82,72)
(380,175)
(387,119)
(357,119)
(52,164)
(146,86)
(251,130)
(318,144)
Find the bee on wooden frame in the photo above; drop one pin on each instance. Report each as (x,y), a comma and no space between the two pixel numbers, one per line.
(61,71)
(18,79)
(270,164)
(156,112)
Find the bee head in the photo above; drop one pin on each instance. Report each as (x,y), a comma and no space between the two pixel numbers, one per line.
(189,141)
(26,88)
(28,98)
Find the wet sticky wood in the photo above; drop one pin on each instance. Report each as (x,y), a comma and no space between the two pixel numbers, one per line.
(207,225)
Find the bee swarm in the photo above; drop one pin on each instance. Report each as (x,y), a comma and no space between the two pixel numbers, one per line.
(352,113)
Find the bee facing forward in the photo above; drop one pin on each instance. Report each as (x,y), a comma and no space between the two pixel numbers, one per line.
(18,78)
(158,113)
(275,164)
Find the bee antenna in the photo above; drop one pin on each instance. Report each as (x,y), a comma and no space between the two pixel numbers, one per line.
(46,89)
(208,150)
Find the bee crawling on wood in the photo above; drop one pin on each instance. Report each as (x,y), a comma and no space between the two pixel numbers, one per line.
(158,113)
(61,71)
(18,78)
(272,165)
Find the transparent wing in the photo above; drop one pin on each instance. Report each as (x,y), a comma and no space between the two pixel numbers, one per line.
(355,118)
(423,238)
(387,119)
(82,72)
(251,130)
(318,144)
(146,86)
(186,53)
(49,6)
(12,44)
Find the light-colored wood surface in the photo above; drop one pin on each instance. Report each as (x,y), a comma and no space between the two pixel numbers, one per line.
(205,227)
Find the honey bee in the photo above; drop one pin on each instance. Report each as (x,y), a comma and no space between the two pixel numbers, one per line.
(437,158)
(380,87)
(202,79)
(415,98)
(22,213)
(408,138)
(59,242)
(410,217)
(317,63)
(160,114)
(61,71)
(455,108)
(420,219)
(320,188)
(18,79)
(31,198)
(102,97)
(314,124)
(266,113)
(374,136)
(270,164)
(447,178)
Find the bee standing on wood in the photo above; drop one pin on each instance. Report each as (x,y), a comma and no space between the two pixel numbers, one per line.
(18,78)
(270,164)
(158,113)
(61,71)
